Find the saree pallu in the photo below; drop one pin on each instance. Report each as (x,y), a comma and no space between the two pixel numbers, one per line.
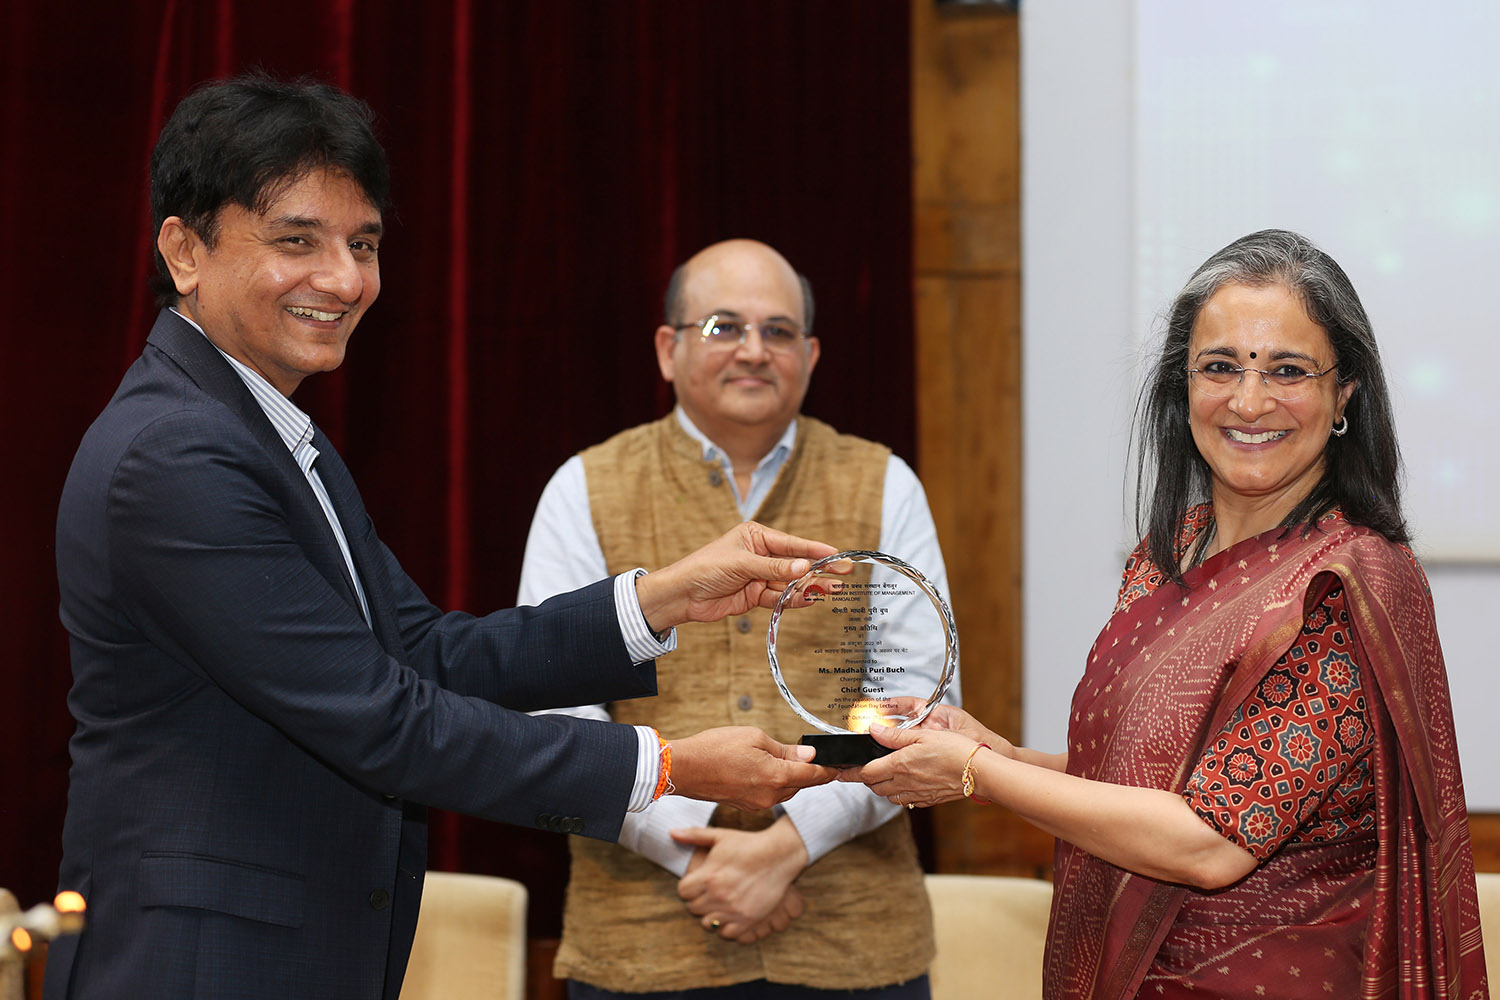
(1164,676)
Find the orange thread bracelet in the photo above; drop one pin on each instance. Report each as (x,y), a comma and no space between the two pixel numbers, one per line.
(664,782)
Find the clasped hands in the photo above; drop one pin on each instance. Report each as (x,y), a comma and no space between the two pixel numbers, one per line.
(739,883)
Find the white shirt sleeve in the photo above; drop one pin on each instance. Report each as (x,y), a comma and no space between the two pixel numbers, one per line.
(563,554)
(829,815)
(562,550)
(646,832)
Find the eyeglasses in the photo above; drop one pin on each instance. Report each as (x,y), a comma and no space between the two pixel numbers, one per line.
(1285,382)
(725,334)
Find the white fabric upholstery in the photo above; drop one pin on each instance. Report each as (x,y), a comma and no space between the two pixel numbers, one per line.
(991,931)
(1489,921)
(471,940)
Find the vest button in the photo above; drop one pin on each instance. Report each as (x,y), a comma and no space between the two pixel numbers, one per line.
(380,899)
(743,625)
(715,478)
(744,703)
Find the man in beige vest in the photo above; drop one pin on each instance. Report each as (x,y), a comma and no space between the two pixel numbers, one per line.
(824,893)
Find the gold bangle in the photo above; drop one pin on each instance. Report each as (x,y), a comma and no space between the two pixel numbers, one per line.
(969,774)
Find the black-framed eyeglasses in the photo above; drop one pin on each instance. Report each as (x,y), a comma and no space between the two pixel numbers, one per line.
(1287,381)
(722,333)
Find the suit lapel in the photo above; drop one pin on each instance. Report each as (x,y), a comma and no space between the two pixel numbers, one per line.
(195,355)
(352,515)
(200,360)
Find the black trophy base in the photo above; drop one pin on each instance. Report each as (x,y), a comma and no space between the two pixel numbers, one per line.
(844,749)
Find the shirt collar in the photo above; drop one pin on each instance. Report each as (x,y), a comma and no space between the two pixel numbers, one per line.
(293,426)
(713,453)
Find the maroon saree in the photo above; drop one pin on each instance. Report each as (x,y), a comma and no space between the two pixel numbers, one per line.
(1398,908)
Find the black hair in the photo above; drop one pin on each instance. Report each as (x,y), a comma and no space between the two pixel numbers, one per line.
(244,140)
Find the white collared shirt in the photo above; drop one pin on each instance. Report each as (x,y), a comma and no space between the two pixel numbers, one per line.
(762,477)
(563,549)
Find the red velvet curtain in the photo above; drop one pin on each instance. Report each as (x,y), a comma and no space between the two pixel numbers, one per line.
(552,162)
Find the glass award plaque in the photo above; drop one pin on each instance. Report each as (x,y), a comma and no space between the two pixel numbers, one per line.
(874,644)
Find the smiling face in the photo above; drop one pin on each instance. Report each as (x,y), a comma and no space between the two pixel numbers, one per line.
(750,387)
(282,291)
(1265,453)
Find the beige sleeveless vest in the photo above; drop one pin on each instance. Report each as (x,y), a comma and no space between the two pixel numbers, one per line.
(867,922)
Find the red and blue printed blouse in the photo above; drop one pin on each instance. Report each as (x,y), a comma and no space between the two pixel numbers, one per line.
(1292,765)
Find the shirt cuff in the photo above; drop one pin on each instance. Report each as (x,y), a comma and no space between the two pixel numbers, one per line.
(640,642)
(834,814)
(647,768)
(648,833)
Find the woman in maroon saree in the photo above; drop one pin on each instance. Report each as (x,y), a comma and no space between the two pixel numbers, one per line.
(1261,795)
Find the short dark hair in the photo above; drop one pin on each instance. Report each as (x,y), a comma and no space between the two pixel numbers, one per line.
(1362,469)
(672,302)
(244,140)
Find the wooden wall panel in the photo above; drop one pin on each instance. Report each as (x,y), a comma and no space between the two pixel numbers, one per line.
(1484,830)
(967,236)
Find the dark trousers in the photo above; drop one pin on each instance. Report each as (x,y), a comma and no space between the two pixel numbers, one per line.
(760,989)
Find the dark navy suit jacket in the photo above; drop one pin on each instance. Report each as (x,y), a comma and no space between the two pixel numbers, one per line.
(252,761)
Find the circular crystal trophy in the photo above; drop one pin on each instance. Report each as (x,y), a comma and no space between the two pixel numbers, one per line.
(876,644)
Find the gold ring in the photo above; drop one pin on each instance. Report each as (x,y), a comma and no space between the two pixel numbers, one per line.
(911,805)
(715,924)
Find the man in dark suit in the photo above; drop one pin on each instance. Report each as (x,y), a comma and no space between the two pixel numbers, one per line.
(266,703)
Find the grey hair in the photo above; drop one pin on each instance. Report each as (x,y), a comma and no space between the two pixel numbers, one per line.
(1362,470)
